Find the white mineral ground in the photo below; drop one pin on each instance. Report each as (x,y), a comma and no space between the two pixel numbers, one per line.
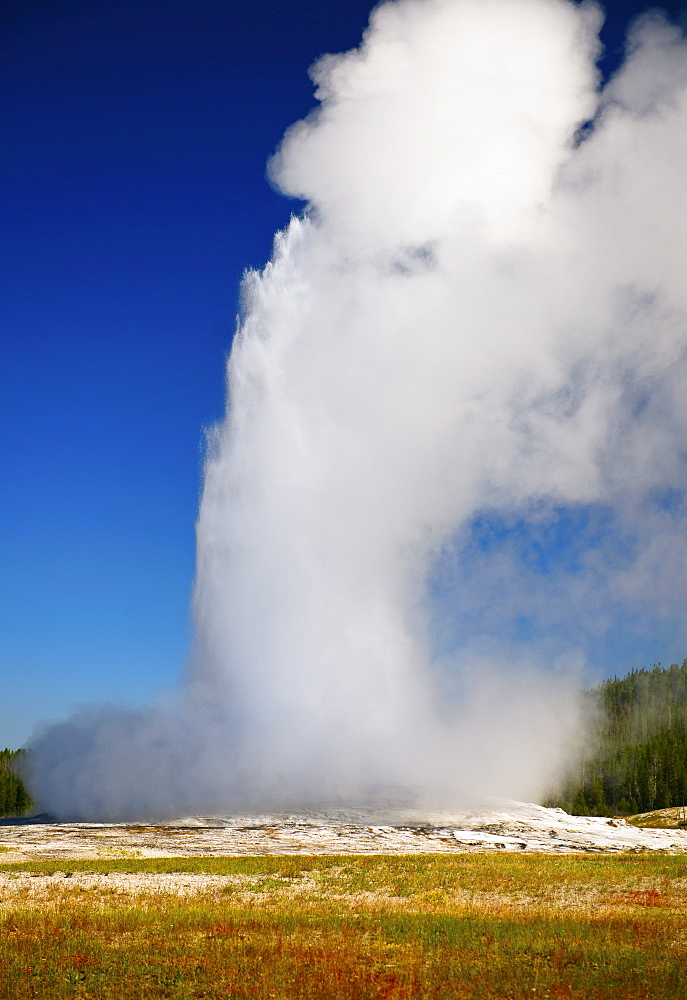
(509,826)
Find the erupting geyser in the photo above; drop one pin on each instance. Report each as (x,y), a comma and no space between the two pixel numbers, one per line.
(480,317)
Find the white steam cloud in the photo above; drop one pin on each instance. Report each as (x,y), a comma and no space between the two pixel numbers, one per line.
(473,341)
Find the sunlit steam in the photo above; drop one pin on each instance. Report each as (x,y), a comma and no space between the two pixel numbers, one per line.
(473,339)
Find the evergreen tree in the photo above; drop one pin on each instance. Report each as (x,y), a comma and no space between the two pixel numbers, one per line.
(639,760)
(14,798)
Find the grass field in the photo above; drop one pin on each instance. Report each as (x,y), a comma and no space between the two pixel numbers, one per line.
(482,926)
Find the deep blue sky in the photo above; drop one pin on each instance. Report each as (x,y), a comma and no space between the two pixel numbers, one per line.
(133,195)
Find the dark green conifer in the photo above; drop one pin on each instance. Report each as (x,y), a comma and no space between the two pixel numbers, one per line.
(639,757)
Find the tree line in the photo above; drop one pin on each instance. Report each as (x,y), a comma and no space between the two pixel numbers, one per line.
(638,756)
(14,798)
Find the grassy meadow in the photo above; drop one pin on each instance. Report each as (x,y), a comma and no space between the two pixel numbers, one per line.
(444,926)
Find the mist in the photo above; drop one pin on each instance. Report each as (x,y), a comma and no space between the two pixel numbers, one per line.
(454,437)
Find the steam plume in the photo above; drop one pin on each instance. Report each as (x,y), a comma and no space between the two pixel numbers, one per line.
(471,342)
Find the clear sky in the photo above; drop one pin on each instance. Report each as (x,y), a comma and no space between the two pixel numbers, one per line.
(133,197)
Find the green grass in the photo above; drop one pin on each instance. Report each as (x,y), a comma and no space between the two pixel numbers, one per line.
(400,875)
(440,926)
(220,950)
(672,818)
